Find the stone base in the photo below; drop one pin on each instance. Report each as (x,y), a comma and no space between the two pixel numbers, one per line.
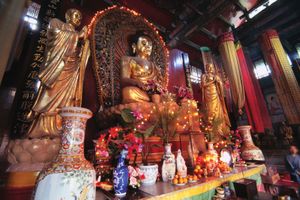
(31,154)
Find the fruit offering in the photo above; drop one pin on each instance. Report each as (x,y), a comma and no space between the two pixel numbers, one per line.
(107,186)
(198,171)
(178,180)
(224,167)
(192,178)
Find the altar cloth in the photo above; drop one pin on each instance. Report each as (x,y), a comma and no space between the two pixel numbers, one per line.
(202,190)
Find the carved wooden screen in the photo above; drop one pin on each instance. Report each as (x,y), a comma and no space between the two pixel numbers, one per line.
(109,31)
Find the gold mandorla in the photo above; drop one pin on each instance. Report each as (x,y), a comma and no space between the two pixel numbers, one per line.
(213,100)
(137,70)
(61,76)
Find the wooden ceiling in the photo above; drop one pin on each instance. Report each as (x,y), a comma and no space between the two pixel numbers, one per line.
(185,24)
(191,24)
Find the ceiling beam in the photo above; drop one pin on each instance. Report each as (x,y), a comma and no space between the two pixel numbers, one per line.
(208,33)
(223,19)
(200,21)
(192,44)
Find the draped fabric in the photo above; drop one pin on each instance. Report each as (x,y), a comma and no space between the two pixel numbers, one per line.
(254,104)
(232,68)
(59,78)
(286,85)
(260,97)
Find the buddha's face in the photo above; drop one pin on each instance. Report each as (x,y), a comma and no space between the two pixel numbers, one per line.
(209,68)
(143,47)
(73,17)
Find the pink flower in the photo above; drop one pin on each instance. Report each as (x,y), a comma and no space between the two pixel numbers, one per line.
(134,173)
(137,115)
(133,181)
(130,169)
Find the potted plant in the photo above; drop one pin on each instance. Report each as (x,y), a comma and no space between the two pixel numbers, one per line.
(165,127)
(150,170)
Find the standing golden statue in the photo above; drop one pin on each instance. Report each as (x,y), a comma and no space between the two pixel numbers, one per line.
(138,70)
(62,74)
(215,112)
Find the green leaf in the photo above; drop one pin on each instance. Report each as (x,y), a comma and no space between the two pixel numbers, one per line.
(148,132)
(127,115)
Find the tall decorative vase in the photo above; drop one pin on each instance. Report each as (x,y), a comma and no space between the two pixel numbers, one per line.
(210,157)
(169,165)
(121,176)
(249,150)
(70,175)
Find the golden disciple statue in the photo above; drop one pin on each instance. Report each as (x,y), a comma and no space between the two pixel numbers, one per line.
(138,70)
(61,75)
(215,112)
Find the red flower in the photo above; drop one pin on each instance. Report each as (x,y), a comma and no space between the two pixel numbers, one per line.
(114,132)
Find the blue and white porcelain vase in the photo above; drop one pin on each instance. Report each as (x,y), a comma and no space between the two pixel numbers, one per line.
(121,176)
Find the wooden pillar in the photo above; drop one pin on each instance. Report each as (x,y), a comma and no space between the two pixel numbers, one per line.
(10,16)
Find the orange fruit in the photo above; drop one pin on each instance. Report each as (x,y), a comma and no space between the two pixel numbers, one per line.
(198,167)
(180,180)
(196,171)
(175,181)
(176,176)
(185,180)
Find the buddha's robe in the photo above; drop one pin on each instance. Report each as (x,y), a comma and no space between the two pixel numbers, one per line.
(59,78)
(133,69)
(213,100)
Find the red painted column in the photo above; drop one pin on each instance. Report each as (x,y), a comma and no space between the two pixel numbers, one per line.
(176,70)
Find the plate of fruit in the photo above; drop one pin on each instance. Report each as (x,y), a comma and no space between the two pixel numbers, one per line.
(193,178)
(180,181)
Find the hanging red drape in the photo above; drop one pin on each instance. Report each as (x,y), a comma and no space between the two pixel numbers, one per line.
(267,121)
(253,103)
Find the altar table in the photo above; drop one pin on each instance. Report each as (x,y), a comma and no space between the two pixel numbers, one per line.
(202,190)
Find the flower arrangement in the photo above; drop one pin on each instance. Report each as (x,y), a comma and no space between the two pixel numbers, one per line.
(132,118)
(152,87)
(183,92)
(119,138)
(135,176)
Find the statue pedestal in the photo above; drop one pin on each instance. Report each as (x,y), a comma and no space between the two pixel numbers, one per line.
(31,154)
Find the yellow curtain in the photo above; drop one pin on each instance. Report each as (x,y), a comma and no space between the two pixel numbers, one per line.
(285,82)
(232,68)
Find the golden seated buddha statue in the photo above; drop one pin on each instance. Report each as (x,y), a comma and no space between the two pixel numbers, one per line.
(137,70)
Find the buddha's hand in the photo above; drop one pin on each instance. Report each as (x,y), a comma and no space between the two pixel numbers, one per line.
(83,33)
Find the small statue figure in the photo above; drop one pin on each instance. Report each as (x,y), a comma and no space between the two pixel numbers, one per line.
(62,74)
(286,133)
(213,100)
(181,166)
(138,70)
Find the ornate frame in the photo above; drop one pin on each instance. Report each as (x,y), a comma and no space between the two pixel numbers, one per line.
(109,31)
